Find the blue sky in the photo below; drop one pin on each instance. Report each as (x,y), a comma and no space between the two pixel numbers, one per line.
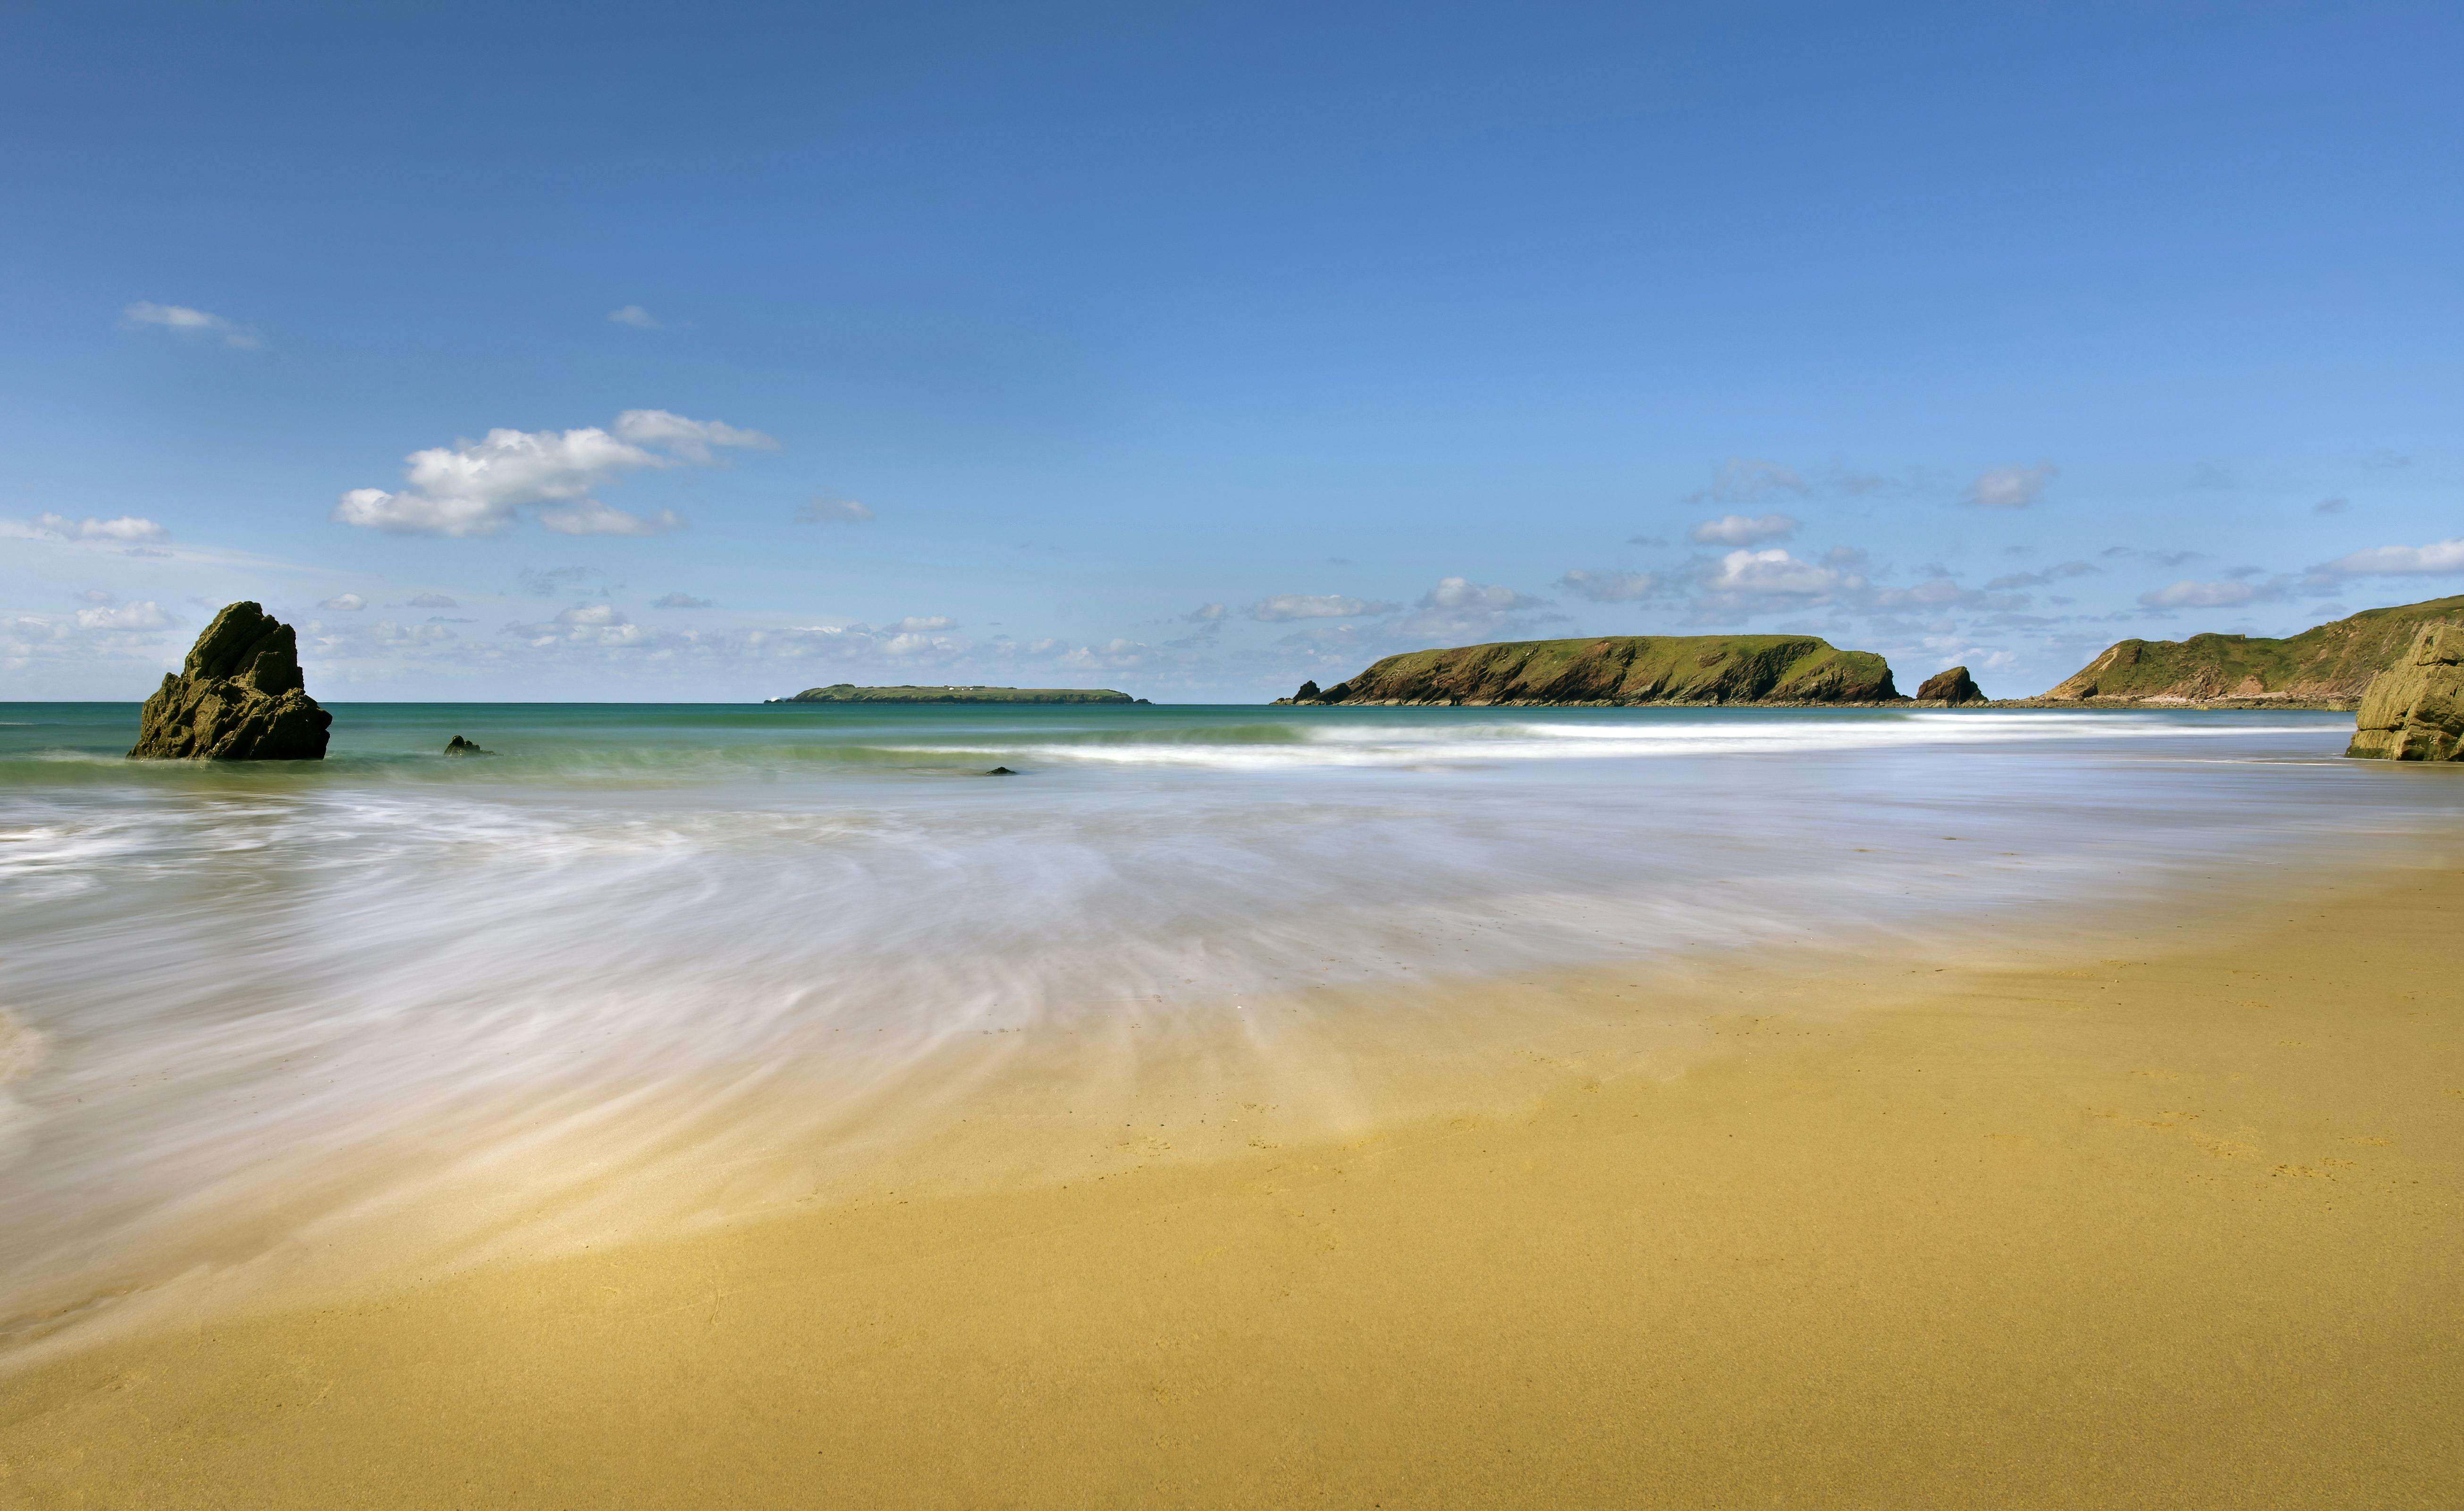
(622,352)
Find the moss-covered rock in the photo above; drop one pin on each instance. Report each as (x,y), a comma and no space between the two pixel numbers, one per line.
(2415,710)
(1625,670)
(239,696)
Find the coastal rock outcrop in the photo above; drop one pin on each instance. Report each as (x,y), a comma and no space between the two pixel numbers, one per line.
(2326,665)
(1954,687)
(2415,710)
(239,696)
(458,746)
(1623,670)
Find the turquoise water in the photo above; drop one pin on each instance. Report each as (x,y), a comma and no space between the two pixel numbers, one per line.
(219,981)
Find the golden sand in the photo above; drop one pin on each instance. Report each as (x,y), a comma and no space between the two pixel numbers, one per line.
(2152,1229)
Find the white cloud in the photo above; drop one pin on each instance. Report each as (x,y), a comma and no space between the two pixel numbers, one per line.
(481,488)
(2436,559)
(635,315)
(146,615)
(188,322)
(1608,586)
(345,602)
(125,528)
(1455,593)
(690,439)
(1205,614)
(1736,530)
(1742,480)
(1283,607)
(589,517)
(96,595)
(1775,574)
(2187,594)
(591,613)
(432,601)
(680,601)
(2011,487)
(914,623)
(824,510)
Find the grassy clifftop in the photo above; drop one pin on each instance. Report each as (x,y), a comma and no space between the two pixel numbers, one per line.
(2326,663)
(849,693)
(1623,669)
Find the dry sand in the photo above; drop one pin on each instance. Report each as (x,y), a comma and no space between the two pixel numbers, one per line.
(2161,1228)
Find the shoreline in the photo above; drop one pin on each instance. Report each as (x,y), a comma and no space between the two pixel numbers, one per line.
(2164,1225)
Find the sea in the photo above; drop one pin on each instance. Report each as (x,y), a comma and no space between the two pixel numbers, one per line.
(226,990)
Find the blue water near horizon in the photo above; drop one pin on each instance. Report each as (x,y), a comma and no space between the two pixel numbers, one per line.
(217,978)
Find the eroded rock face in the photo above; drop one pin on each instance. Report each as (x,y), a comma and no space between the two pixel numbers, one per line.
(239,696)
(2415,710)
(1954,687)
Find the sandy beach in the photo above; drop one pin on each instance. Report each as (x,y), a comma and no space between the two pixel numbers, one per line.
(2173,1224)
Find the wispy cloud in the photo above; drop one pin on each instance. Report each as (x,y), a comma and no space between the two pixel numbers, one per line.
(2011,487)
(1745,480)
(179,318)
(1284,607)
(126,529)
(635,315)
(1608,586)
(679,600)
(821,509)
(1737,530)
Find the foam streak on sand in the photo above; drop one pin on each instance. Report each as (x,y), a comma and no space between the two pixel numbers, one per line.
(653,970)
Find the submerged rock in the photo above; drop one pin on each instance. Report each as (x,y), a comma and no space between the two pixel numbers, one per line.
(239,696)
(458,746)
(2415,710)
(1954,687)
(1001,771)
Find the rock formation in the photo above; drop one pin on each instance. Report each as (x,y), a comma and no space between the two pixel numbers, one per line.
(2325,666)
(1625,670)
(2415,710)
(1954,687)
(240,696)
(458,746)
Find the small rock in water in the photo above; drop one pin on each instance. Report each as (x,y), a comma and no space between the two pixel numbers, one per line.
(1954,686)
(1001,771)
(240,696)
(458,746)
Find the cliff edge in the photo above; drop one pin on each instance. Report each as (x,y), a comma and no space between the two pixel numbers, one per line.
(1621,669)
(2415,710)
(2327,665)
(239,696)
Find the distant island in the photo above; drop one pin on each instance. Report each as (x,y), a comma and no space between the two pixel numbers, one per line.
(849,693)
(1621,671)
(2325,667)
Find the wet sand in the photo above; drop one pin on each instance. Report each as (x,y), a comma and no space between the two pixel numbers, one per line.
(2165,1224)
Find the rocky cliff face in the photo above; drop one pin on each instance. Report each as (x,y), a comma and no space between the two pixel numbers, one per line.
(239,696)
(2415,710)
(1954,686)
(2330,663)
(1623,669)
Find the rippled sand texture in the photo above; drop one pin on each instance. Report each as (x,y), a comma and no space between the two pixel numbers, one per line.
(2171,1223)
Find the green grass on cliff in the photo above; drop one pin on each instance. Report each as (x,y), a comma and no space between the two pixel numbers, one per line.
(2334,660)
(1628,669)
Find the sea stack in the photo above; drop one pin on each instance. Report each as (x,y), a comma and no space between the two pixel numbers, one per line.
(1954,688)
(2415,710)
(240,696)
